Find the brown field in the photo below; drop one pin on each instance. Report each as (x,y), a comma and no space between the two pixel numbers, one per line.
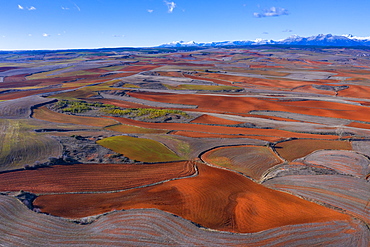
(195,134)
(294,149)
(220,129)
(207,119)
(236,204)
(237,105)
(252,161)
(46,114)
(17,95)
(92,177)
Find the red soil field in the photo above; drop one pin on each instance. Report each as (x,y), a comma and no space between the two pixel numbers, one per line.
(355,91)
(194,134)
(92,177)
(17,95)
(199,76)
(291,150)
(359,125)
(216,199)
(15,78)
(254,66)
(44,113)
(310,89)
(222,104)
(171,73)
(19,84)
(273,118)
(220,129)
(317,62)
(138,68)
(265,83)
(189,64)
(207,119)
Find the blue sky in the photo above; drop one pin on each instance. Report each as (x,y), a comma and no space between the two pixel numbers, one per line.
(54,24)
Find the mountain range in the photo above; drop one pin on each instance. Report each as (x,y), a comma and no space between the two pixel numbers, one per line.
(319,40)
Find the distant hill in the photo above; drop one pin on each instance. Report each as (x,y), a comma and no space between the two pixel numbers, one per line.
(319,40)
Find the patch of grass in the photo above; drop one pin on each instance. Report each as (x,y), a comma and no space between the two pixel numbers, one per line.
(129,85)
(140,149)
(79,106)
(147,113)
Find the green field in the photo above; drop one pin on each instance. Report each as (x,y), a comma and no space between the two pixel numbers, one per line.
(20,146)
(140,149)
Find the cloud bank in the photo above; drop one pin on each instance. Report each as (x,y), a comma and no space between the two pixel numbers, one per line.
(271,12)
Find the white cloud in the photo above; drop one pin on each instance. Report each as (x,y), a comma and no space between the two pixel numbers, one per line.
(64,8)
(45,34)
(170,5)
(78,8)
(150,10)
(29,35)
(28,8)
(273,11)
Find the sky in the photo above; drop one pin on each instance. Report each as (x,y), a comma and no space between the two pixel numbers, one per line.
(69,24)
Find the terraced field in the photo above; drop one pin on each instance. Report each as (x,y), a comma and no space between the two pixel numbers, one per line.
(233,146)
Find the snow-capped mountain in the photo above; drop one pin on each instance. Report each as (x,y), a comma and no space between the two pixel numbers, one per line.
(319,40)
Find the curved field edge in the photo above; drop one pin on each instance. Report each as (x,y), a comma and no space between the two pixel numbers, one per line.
(143,227)
(252,161)
(345,193)
(216,198)
(297,148)
(90,178)
(140,149)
